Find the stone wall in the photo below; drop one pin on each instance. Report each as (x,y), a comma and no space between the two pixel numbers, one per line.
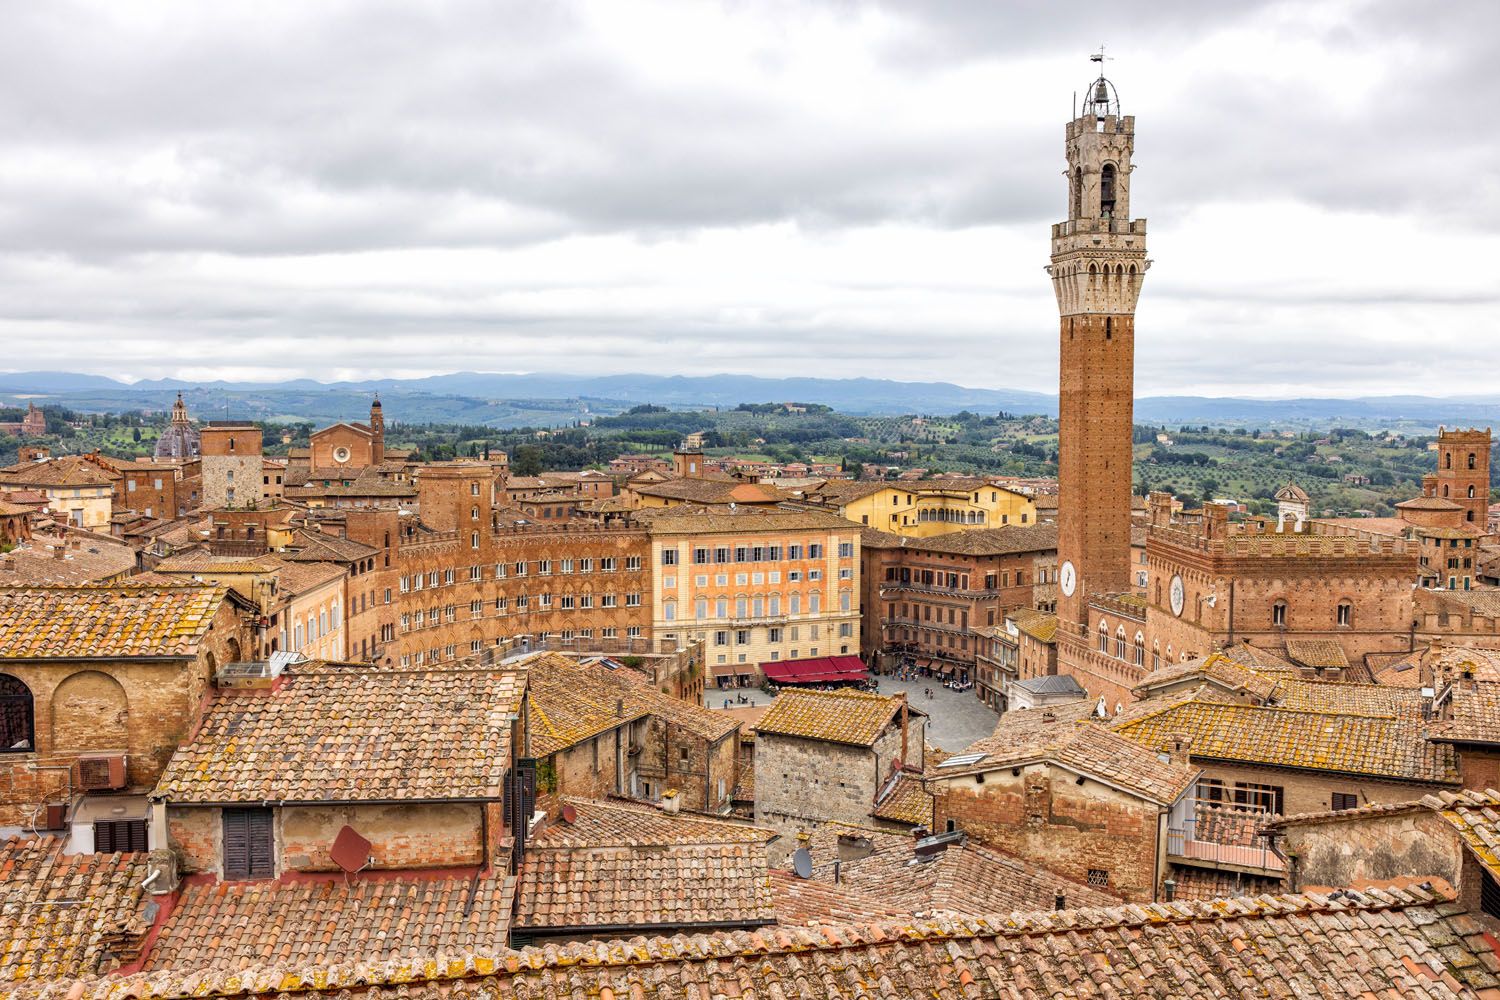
(1348,852)
(1307,791)
(1044,815)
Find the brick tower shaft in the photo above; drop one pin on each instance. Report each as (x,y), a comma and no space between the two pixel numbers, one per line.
(1098,264)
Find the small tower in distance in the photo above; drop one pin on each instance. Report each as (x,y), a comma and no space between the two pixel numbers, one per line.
(1463,473)
(377,432)
(687,460)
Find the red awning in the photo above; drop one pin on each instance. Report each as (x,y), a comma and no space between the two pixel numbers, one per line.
(816,670)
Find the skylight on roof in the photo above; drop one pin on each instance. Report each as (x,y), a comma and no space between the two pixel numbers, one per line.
(963,760)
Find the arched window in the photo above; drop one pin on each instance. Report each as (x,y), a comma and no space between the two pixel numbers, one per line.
(1103,636)
(1278,613)
(1344,616)
(1448,460)
(1120,643)
(1155,654)
(1471,493)
(1107,191)
(17,716)
(1471,460)
(1445,489)
(473,489)
(1076,201)
(1140,650)
(473,513)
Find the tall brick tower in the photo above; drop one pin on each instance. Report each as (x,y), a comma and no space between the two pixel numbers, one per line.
(1098,263)
(1463,472)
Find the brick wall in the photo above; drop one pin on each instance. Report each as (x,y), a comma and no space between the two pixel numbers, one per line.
(142,708)
(426,835)
(1045,816)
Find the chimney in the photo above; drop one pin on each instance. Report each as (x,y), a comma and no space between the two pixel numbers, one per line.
(905,714)
(1181,749)
(671,802)
(58,552)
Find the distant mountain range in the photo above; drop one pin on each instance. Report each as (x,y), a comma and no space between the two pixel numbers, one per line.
(508,400)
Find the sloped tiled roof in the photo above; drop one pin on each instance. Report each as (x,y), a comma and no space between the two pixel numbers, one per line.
(1475,716)
(1316,653)
(693,519)
(621,824)
(1341,742)
(1039,625)
(1475,817)
(247,925)
(904,800)
(60,913)
(573,701)
(1068,736)
(964,880)
(66,470)
(1356,699)
(1006,540)
(805,901)
(345,733)
(118,620)
(614,891)
(1407,942)
(1215,668)
(84,560)
(853,717)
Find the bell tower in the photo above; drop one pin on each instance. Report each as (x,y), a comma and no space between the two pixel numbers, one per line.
(1098,263)
(377,432)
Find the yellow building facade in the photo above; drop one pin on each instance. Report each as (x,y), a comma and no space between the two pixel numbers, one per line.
(755,586)
(926,508)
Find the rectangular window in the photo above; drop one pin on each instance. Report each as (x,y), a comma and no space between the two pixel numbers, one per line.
(815,551)
(248,848)
(669,557)
(1345,800)
(544,567)
(566,566)
(721,638)
(700,556)
(119,836)
(742,637)
(632,563)
(632,600)
(846,550)
(607,600)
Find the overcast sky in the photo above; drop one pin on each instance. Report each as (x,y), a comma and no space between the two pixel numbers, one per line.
(274,190)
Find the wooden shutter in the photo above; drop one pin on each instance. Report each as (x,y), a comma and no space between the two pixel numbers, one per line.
(249,851)
(111,836)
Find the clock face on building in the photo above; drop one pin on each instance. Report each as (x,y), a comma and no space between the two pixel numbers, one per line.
(341,454)
(1067,578)
(1177,595)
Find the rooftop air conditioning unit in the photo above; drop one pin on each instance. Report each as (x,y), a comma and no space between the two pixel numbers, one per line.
(102,773)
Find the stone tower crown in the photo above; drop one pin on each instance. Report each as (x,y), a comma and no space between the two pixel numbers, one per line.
(1099,254)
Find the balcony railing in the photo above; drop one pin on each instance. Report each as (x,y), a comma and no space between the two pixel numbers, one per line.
(1209,835)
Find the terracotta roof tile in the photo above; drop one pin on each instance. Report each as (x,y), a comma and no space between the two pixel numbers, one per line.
(572,702)
(1381,943)
(853,717)
(1006,540)
(1475,816)
(621,824)
(1218,669)
(904,800)
(65,915)
(116,620)
(963,880)
(247,925)
(342,733)
(1316,653)
(1069,736)
(1475,716)
(613,890)
(1341,742)
(804,901)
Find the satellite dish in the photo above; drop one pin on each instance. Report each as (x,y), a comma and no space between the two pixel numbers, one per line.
(569,815)
(802,863)
(350,851)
